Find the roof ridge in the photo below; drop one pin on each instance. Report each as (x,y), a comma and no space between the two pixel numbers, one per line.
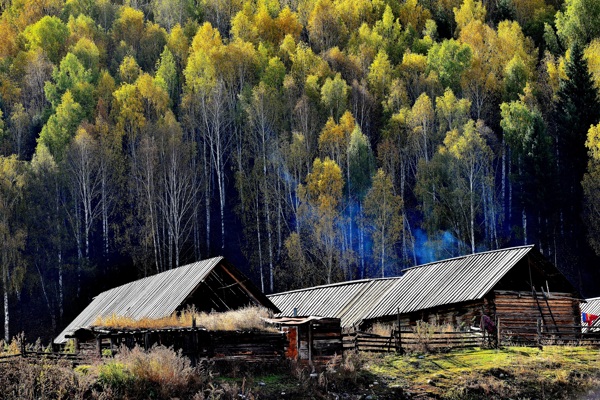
(212,259)
(531,246)
(365,280)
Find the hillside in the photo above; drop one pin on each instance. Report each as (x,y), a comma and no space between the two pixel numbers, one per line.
(309,141)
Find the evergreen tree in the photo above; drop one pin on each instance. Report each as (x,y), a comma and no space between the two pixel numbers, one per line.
(578,108)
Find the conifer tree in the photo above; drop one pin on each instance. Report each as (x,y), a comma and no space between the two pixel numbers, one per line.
(577,109)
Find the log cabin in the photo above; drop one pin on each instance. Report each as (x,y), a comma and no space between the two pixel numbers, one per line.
(516,286)
(209,285)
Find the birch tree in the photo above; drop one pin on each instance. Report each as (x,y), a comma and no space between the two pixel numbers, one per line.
(383,213)
(12,231)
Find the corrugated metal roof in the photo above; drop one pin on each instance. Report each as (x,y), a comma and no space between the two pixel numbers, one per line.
(449,281)
(324,301)
(155,296)
(592,306)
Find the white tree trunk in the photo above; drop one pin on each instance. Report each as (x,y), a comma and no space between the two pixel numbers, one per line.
(6,312)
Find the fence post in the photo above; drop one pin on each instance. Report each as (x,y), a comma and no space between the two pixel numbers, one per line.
(99,346)
(498,333)
(539,332)
(399,344)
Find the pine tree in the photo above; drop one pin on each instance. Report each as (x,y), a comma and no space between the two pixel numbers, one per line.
(578,108)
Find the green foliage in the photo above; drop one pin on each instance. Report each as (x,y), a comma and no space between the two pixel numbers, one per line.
(579,23)
(115,375)
(184,99)
(334,95)
(61,126)
(516,76)
(523,128)
(71,75)
(578,108)
(49,34)
(361,163)
(449,59)
(166,74)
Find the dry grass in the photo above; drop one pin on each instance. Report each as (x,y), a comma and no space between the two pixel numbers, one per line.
(248,318)
(11,348)
(382,329)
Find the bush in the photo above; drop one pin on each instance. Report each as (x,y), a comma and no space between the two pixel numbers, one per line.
(115,375)
(158,373)
(22,379)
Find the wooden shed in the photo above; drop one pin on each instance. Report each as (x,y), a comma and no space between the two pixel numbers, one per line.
(311,340)
(209,285)
(516,286)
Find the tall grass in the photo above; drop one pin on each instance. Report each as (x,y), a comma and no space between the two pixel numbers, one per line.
(248,318)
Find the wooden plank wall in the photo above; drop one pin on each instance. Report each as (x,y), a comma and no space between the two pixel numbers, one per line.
(326,340)
(519,313)
(197,344)
(460,315)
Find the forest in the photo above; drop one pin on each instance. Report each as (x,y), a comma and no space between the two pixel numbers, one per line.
(309,141)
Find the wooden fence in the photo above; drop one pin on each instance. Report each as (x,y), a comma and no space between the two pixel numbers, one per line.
(74,358)
(544,335)
(400,341)
(523,334)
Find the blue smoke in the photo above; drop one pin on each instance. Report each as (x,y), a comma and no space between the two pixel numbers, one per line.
(423,249)
(444,245)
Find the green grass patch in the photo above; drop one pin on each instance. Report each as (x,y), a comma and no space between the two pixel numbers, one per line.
(556,371)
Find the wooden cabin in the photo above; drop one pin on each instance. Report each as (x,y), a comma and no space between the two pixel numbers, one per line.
(311,340)
(517,287)
(208,285)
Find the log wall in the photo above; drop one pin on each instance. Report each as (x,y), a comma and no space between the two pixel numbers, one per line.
(519,313)
(460,315)
(316,341)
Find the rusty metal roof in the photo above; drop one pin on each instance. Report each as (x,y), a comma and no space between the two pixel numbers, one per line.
(155,296)
(448,281)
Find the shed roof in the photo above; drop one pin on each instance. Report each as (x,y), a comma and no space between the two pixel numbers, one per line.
(454,280)
(591,306)
(155,296)
(348,301)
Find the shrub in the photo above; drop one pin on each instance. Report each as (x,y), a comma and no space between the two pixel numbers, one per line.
(159,373)
(115,375)
(22,379)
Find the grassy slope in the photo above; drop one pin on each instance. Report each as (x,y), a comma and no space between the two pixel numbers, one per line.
(515,372)
(510,373)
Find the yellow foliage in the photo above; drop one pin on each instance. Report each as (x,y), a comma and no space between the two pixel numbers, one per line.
(414,14)
(469,11)
(592,56)
(593,142)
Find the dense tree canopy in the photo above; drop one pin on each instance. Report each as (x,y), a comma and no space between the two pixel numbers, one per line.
(310,142)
